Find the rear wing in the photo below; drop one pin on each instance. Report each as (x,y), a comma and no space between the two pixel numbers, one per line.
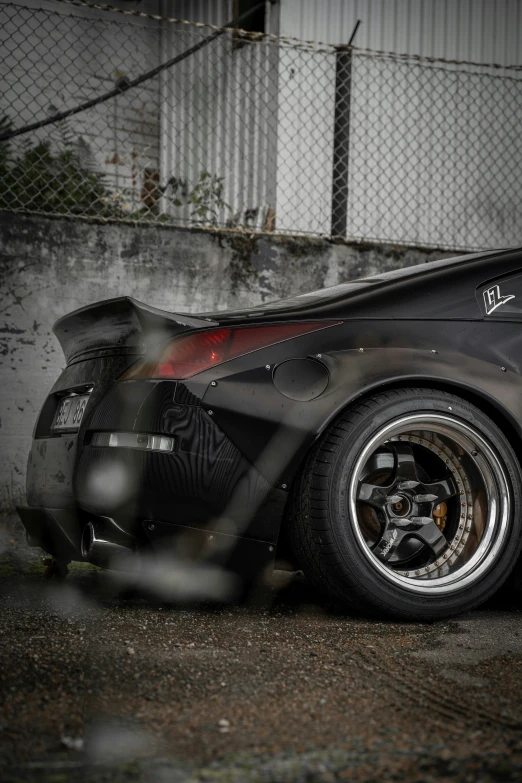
(122,323)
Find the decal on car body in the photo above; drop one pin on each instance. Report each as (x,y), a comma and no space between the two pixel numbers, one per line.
(494,299)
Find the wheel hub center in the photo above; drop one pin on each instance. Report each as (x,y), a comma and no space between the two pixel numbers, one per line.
(402,507)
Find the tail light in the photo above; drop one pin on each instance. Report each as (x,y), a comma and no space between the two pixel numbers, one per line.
(185,356)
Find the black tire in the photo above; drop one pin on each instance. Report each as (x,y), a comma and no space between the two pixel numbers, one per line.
(326,539)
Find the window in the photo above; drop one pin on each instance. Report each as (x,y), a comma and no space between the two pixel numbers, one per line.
(253,23)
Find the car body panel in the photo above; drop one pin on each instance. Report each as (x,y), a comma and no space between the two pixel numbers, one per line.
(254,414)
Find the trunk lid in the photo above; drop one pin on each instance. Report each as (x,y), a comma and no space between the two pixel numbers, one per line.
(121,325)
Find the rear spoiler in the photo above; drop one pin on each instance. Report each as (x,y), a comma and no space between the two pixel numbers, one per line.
(122,323)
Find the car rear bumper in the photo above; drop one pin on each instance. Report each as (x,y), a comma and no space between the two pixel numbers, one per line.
(55,530)
(204,482)
(59,532)
(204,491)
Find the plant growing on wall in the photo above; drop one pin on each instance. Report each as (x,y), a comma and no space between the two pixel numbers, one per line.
(177,191)
(206,199)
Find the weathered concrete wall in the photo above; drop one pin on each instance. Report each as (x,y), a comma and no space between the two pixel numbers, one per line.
(50,267)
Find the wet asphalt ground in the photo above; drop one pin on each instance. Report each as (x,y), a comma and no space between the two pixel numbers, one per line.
(102,683)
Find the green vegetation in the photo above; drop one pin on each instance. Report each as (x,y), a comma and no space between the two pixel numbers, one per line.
(60,177)
(37,178)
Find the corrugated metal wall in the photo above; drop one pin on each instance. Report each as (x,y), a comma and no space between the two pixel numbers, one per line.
(445,142)
(219,119)
(261,119)
(479,30)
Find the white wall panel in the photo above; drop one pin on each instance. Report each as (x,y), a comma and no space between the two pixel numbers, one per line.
(480,30)
(433,157)
(219,111)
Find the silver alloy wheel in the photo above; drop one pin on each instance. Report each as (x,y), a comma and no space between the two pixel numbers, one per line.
(429,503)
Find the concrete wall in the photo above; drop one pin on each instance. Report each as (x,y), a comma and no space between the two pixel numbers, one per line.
(50,267)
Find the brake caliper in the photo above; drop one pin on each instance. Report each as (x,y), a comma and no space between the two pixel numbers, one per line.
(440,515)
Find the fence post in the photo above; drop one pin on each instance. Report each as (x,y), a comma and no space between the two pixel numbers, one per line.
(341,142)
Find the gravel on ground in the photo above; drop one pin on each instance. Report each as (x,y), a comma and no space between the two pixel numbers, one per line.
(103,682)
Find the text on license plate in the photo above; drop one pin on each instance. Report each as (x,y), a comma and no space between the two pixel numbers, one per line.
(70,412)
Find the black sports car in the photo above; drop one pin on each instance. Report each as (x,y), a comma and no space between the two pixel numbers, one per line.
(370,433)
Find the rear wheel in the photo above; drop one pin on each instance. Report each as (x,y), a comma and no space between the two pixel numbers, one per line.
(409,506)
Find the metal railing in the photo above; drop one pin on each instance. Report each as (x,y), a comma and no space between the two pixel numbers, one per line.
(140,118)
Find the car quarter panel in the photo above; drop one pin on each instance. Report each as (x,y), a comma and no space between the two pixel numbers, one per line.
(276,432)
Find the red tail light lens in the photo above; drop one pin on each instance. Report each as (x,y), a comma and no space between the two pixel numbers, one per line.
(198,351)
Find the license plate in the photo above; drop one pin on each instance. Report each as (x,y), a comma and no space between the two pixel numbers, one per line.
(70,412)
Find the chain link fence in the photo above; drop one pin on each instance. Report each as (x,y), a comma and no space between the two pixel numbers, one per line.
(145,119)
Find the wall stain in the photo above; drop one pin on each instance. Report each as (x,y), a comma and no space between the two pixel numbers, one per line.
(11,330)
(241,270)
(303,247)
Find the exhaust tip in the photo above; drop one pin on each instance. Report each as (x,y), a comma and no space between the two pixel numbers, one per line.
(99,547)
(88,539)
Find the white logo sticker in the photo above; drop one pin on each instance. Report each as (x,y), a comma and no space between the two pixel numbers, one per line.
(390,543)
(493,299)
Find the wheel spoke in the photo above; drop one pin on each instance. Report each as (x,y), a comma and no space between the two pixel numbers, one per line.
(443,490)
(427,531)
(390,539)
(396,531)
(405,468)
(372,494)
